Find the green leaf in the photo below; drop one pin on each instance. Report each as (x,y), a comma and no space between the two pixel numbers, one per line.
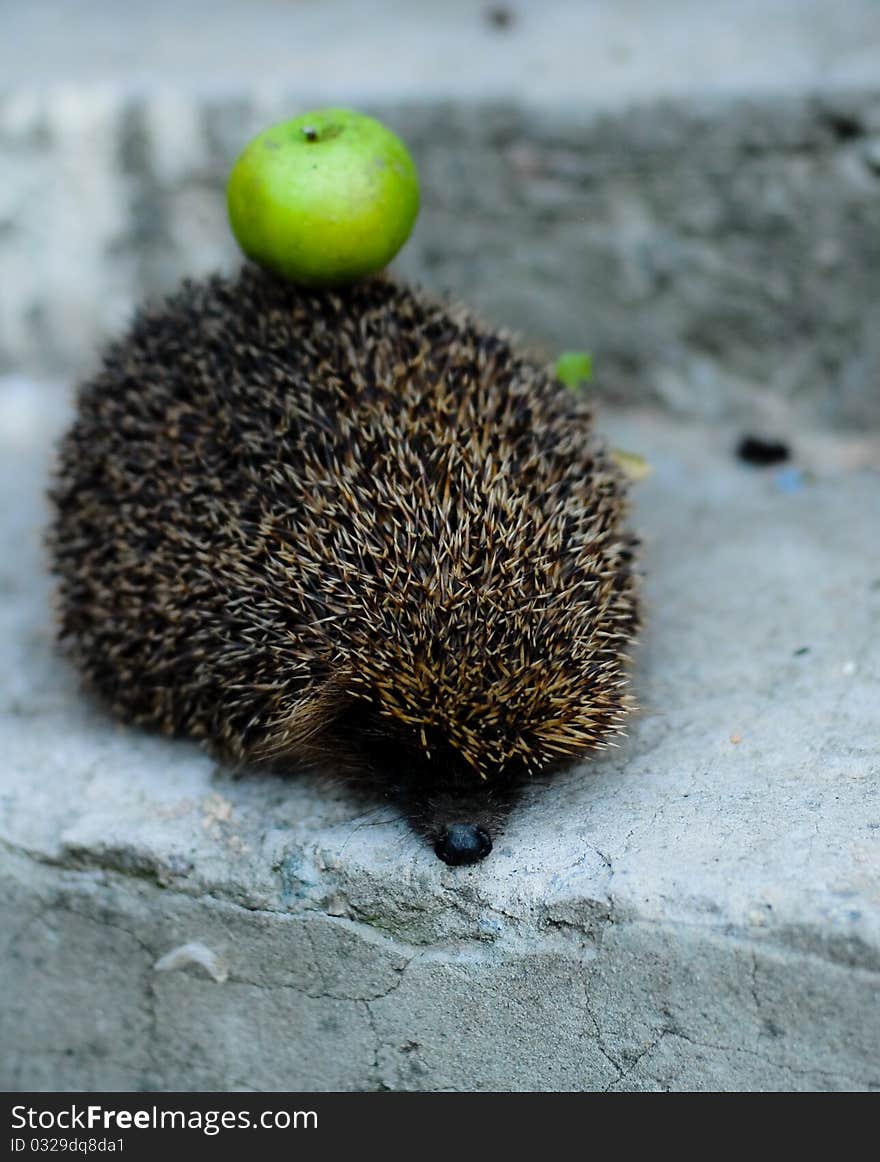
(574,368)
(634,466)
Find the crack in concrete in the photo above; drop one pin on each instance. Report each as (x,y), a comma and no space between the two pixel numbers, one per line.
(762,940)
(598,1034)
(419,954)
(631,1068)
(377,1047)
(782,1066)
(147,983)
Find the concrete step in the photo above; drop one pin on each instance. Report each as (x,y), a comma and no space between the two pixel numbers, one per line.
(690,191)
(696,910)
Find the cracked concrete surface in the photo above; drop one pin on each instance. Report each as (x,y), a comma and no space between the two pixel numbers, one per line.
(698,909)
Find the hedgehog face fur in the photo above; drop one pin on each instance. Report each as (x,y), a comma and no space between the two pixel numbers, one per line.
(352,529)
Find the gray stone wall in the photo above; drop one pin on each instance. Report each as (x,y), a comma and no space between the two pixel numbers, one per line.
(720,256)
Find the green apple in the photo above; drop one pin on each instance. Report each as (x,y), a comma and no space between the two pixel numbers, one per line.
(324,198)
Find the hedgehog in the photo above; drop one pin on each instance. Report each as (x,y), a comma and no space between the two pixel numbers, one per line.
(352,529)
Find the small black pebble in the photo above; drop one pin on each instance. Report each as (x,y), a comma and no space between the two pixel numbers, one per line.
(760,452)
(499,15)
(844,126)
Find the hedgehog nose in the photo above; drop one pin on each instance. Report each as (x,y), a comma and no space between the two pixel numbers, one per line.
(463,843)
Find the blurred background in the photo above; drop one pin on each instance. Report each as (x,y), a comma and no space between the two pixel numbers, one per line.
(689,190)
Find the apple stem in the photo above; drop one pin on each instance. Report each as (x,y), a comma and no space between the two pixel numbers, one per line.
(310,133)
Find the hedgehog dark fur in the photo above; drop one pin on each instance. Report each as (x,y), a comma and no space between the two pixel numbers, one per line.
(353,529)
